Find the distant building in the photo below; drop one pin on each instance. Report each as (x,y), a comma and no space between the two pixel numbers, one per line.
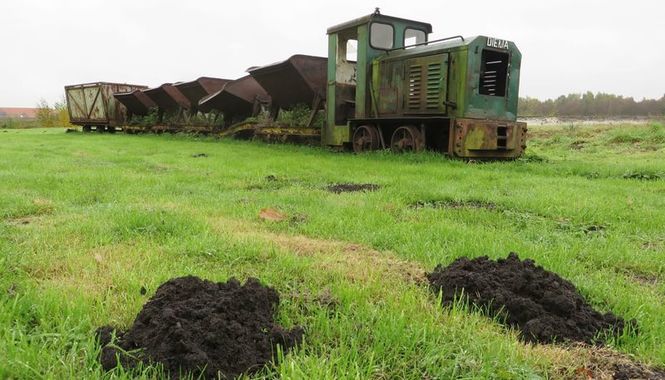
(18,113)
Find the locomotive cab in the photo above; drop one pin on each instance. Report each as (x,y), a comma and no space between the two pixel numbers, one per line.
(351,48)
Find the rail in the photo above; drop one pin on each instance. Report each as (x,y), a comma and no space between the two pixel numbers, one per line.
(425,43)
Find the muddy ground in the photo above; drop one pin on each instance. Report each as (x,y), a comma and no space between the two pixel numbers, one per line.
(205,328)
(543,306)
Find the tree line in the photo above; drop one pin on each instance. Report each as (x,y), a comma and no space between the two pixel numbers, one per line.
(591,105)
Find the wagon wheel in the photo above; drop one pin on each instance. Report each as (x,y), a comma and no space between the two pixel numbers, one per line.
(365,139)
(407,139)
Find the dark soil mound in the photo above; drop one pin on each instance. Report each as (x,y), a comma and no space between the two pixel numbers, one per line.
(202,327)
(350,187)
(542,305)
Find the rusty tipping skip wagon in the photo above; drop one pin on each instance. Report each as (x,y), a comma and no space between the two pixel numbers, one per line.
(383,85)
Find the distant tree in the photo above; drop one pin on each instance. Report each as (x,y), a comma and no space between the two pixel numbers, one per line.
(591,105)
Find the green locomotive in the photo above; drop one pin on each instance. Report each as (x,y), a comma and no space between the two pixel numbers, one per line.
(400,91)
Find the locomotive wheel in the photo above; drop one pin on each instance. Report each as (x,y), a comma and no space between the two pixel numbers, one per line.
(365,139)
(407,139)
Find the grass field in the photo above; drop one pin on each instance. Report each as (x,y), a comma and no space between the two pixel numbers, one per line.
(87,220)
(10,123)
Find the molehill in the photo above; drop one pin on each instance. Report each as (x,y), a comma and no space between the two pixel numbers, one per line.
(541,305)
(201,327)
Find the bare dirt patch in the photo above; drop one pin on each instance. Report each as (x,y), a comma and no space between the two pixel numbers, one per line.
(643,175)
(594,229)
(357,262)
(645,279)
(339,188)
(272,182)
(578,144)
(653,245)
(204,328)
(543,306)
(93,273)
(272,215)
(23,221)
(639,275)
(602,363)
(40,207)
(455,204)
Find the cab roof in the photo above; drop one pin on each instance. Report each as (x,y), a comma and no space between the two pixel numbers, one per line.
(376,16)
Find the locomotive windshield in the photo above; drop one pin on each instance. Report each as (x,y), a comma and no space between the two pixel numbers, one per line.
(493,73)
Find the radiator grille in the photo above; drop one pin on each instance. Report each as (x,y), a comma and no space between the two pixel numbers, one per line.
(425,84)
(433,80)
(415,90)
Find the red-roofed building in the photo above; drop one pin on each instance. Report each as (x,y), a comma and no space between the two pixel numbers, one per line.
(18,113)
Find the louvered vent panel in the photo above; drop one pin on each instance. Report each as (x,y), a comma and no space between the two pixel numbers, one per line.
(488,78)
(415,87)
(433,80)
(494,73)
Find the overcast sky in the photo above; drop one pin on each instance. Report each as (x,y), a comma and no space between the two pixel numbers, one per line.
(567,46)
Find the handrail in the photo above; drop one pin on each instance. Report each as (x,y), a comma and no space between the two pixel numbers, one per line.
(426,43)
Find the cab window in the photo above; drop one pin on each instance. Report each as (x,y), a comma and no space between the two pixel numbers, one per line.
(414,36)
(381,36)
(351,50)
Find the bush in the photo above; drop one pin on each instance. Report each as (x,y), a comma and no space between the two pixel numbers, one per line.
(53,117)
(146,121)
(45,114)
(298,116)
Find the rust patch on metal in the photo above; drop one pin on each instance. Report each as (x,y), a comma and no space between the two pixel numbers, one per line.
(488,139)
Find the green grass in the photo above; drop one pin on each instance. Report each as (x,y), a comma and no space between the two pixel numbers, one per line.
(86,220)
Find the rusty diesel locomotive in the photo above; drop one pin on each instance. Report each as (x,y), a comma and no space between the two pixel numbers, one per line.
(384,85)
